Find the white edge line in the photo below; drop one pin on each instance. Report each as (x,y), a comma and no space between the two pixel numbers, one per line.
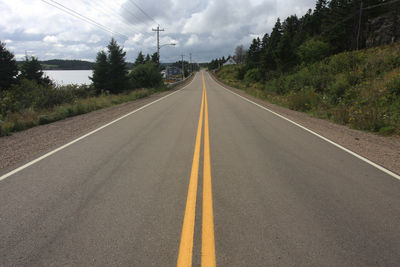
(84,136)
(394,175)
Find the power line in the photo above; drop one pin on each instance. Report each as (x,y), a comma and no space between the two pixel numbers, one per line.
(144,12)
(132,15)
(383,4)
(107,10)
(82,17)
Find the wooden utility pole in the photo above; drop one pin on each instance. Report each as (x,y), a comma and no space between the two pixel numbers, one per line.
(158,30)
(191,65)
(183,68)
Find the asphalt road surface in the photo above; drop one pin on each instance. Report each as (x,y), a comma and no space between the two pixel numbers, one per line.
(200,177)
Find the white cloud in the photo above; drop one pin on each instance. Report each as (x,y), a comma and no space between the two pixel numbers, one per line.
(50,39)
(205,28)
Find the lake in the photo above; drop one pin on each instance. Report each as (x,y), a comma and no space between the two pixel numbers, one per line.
(64,77)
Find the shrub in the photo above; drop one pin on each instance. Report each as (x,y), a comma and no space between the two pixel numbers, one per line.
(393,86)
(304,100)
(145,76)
(338,88)
(44,119)
(241,73)
(312,51)
(253,75)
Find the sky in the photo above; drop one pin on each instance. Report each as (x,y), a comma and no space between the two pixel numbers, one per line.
(204,28)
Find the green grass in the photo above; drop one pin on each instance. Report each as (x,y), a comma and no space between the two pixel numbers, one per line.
(360,89)
(17,120)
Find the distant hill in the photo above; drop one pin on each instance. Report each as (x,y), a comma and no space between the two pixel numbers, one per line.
(75,64)
(61,64)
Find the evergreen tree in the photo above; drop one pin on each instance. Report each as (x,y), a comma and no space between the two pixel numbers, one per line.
(140,59)
(148,59)
(286,56)
(100,72)
(32,70)
(154,58)
(8,68)
(118,79)
(253,54)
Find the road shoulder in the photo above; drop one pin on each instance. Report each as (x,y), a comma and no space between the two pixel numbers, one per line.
(384,151)
(24,146)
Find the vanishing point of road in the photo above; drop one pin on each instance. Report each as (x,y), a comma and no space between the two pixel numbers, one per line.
(200,177)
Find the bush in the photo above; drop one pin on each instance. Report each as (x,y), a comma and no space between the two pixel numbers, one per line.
(241,73)
(338,88)
(312,51)
(44,119)
(253,75)
(304,100)
(145,76)
(393,86)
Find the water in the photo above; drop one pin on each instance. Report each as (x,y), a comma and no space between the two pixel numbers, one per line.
(64,77)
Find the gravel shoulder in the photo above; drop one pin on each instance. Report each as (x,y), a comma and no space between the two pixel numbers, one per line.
(21,147)
(384,151)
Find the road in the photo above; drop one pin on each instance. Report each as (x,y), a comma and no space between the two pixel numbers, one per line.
(233,185)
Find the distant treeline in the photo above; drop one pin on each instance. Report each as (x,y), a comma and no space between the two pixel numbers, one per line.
(63,64)
(334,26)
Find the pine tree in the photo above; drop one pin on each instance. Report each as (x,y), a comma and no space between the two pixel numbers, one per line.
(118,73)
(8,68)
(148,59)
(32,70)
(154,58)
(100,72)
(140,59)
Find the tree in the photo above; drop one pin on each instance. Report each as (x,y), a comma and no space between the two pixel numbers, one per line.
(146,75)
(312,51)
(32,70)
(253,54)
(140,59)
(155,58)
(148,59)
(100,72)
(8,68)
(240,54)
(118,73)
(286,56)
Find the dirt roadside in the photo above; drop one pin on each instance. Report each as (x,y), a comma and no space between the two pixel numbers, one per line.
(384,151)
(29,144)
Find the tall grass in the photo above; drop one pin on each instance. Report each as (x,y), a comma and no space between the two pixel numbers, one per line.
(29,104)
(360,88)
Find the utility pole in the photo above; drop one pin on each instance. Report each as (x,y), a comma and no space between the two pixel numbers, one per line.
(359,25)
(183,68)
(191,66)
(158,30)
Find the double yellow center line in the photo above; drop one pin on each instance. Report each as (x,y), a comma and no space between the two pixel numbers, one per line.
(207,237)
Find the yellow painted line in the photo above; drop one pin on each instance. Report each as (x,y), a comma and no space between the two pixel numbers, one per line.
(207,238)
(186,245)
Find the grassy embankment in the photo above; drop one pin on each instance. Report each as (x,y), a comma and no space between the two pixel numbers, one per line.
(29,104)
(360,89)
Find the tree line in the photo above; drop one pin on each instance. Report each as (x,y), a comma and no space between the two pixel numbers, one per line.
(332,27)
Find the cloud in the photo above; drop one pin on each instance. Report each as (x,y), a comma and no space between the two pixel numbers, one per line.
(205,28)
(50,39)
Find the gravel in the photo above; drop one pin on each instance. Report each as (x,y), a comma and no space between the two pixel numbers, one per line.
(382,150)
(21,147)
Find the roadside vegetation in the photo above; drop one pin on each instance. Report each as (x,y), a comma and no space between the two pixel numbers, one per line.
(334,62)
(360,88)
(28,98)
